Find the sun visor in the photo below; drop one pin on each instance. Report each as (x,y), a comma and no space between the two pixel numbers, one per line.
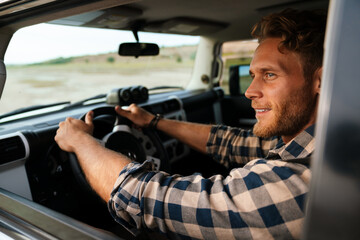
(114,18)
(184,25)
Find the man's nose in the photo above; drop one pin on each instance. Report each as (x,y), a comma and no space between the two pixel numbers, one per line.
(254,90)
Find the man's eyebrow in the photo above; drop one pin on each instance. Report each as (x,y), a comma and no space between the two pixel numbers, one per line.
(264,68)
(279,67)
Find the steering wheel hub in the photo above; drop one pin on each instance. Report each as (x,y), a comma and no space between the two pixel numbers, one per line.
(126,144)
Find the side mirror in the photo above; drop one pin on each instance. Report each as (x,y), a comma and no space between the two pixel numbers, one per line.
(138,49)
(239,79)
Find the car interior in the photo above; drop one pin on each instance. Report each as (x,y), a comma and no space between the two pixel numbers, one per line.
(43,192)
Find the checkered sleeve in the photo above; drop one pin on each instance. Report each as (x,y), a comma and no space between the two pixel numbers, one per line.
(233,146)
(263,200)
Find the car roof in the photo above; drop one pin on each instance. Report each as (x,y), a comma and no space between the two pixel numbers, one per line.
(223,20)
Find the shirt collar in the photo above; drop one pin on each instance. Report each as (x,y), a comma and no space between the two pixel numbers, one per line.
(301,146)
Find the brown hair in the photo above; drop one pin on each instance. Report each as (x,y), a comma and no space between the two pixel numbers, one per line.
(302,32)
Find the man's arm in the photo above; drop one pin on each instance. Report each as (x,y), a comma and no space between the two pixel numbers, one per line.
(193,134)
(100,165)
(263,200)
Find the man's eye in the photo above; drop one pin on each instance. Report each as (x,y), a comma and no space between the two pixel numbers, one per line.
(269,76)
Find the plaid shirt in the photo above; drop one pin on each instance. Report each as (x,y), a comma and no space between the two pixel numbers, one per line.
(262,200)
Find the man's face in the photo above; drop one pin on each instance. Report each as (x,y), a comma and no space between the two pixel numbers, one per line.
(284,102)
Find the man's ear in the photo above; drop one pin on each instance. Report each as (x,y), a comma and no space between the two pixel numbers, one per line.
(317,80)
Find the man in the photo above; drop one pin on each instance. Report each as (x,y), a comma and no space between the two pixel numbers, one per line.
(265,198)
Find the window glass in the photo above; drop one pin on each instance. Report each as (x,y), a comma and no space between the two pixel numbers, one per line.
(48,63)
(237,54)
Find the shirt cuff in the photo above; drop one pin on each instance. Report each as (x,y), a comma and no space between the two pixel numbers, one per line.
(124,204)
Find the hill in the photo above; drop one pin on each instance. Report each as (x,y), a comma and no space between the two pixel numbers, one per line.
(178,54)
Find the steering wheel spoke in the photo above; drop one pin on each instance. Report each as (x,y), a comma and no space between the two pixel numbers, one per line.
(122,128)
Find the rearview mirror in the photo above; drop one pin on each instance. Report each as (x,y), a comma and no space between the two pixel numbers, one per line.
(138,49)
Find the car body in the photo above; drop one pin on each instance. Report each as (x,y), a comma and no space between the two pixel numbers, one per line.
(42,188)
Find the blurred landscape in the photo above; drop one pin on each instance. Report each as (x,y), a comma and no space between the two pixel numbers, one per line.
(76,78)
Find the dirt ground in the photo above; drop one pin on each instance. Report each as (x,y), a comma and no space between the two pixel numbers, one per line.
(39,85)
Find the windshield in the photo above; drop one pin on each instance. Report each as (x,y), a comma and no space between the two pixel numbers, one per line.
(49,63)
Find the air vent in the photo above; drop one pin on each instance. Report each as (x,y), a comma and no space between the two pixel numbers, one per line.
(12,149)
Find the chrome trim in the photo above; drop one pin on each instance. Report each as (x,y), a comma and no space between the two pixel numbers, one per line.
(38,222)
(26,145)
(13,176)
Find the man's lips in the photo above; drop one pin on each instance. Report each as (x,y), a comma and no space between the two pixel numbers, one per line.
(262,110)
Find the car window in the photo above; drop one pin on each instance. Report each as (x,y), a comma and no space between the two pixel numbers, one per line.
(50,63)
(237,55)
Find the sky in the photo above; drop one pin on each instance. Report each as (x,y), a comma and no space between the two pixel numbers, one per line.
(48,41)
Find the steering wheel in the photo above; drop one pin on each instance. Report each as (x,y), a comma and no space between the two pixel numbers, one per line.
(135,144)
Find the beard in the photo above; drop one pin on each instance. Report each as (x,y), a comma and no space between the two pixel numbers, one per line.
(290,116)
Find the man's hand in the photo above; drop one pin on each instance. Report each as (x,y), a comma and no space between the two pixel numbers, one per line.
(100,165)
(72,131)
(137,115)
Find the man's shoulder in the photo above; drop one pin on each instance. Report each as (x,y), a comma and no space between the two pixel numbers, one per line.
(279,167)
